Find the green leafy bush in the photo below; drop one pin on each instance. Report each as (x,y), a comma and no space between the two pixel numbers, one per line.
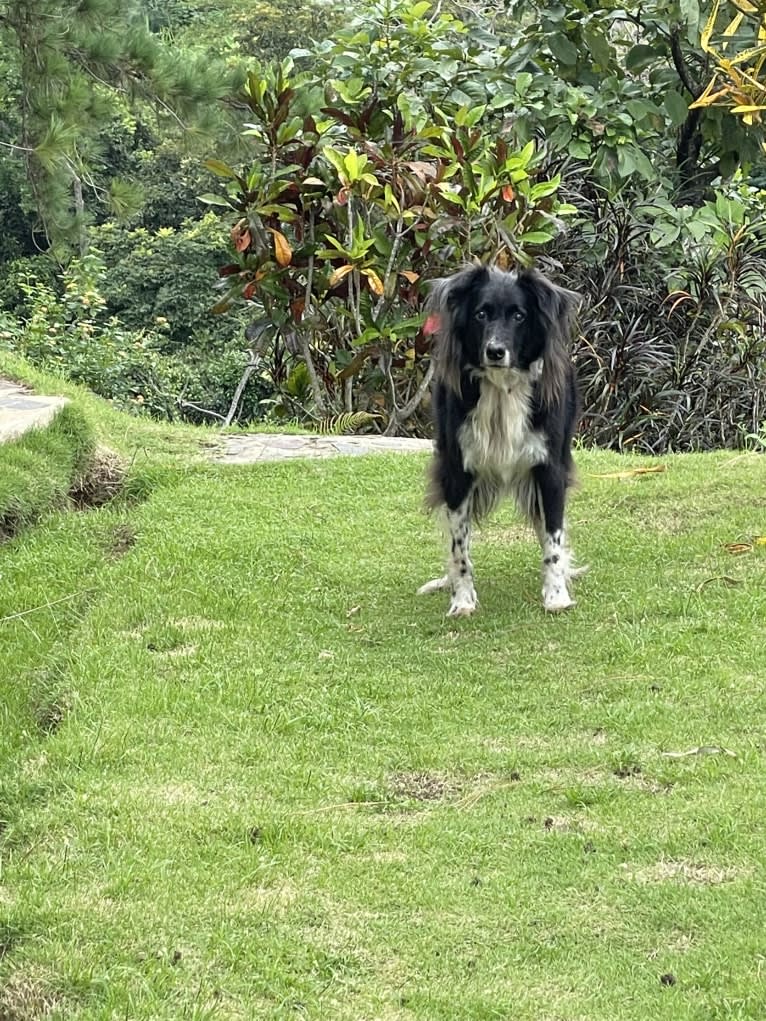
(414,141)
(380,163)
(672,343)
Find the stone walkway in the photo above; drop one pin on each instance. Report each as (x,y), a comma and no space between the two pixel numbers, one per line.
(254,447)
(21,410)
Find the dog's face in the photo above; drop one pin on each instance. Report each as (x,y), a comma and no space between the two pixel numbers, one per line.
(499,328)
(490,320)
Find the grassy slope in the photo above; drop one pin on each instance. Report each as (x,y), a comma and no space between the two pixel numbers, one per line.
(148,444)
(285,787)
(37,469)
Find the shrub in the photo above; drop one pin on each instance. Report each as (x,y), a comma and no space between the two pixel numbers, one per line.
(416,141)
(673,330)
(378,165)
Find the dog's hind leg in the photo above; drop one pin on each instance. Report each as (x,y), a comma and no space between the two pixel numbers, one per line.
(436,585)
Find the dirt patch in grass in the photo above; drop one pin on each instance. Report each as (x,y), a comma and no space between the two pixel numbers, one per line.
(26,996)
(510,535)
(51,713)
(198,624)
(424,786)
(100,481)
(695,873)
(121,541)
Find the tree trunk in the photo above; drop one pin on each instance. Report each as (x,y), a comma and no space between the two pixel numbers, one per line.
(79,208)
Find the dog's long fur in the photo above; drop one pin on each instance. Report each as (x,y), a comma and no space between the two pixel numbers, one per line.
(505,405)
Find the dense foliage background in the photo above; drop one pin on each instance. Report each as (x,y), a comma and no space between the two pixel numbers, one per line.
(321,169)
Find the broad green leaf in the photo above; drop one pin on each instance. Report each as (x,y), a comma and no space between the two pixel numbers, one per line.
(626,165)
(562,49)
(544,188)
(522,82)
(536,237)
(351,163)
(220,169)
(676,106)
(599,47)
(690,12)
(643,164)
(640,57)
(214,200)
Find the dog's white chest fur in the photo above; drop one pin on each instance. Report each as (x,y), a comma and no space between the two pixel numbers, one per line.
(496,438)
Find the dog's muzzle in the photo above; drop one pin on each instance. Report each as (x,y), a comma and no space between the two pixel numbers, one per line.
(496,355)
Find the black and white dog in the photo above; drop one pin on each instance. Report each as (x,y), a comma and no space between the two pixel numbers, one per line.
(505,406)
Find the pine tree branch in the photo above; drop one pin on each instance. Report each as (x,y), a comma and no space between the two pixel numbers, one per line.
(17,148)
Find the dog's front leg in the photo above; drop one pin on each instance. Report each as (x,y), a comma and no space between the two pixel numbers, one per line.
(459,566)
(459,576)
(557,558)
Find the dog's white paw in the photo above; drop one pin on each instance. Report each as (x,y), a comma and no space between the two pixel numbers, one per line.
(434,586)
(556,598)
(463,603)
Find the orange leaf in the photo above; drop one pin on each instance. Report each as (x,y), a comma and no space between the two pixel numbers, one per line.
(249,291)
(282,249)
(508,193)
(342,197)
(738,547)
(242,241)
(629,473)
(338,274)
(409,275)
(376,284)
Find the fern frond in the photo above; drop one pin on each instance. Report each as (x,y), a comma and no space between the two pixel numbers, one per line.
(348,422)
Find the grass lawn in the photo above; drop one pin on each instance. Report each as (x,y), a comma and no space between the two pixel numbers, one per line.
(248,774)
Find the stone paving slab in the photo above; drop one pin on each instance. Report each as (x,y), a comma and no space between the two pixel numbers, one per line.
(252,448)
(21,410)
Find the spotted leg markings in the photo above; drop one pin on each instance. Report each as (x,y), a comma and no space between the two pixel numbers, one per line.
(557,570)
(459,566)
(459,576)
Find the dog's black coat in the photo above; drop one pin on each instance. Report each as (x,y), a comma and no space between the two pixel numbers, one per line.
(505,403)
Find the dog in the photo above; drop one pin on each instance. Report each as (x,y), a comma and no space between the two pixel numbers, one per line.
(505,406)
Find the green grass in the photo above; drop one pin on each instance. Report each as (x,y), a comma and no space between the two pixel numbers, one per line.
(148,445)
(249,774)
(37,469)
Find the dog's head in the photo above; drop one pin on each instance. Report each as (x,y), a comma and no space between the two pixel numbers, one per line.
(489,321)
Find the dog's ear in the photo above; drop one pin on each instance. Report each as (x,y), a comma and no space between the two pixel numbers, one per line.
(555,309)
(446,297)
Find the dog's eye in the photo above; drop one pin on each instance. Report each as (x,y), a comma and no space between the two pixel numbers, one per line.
(481,315)
(519,316)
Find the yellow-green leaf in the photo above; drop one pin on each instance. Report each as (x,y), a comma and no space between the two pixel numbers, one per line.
(376,284)
(707,31)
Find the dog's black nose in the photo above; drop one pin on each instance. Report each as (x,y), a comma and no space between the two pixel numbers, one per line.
(495,352)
